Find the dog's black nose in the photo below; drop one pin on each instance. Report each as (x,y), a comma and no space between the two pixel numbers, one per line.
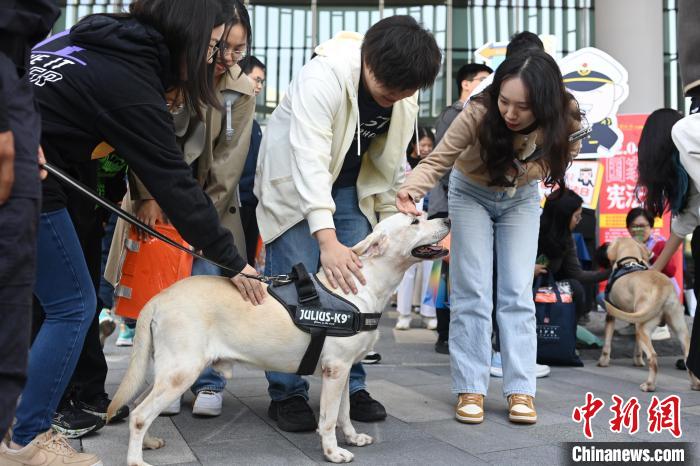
(448,222)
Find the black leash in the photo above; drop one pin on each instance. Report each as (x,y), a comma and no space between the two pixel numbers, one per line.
(126,216)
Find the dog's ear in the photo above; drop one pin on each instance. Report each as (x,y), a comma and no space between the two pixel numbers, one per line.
(374,244)
(612,251)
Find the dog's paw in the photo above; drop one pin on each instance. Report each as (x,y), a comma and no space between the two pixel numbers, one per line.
(695,386)
(604,361)
(638,362)
(153,443)
(338,455)
(137,463)
(359,440)
(648,387)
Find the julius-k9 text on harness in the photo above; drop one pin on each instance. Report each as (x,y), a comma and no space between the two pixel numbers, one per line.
(318,311)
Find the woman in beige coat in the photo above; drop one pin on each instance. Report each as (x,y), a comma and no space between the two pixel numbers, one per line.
(216,149)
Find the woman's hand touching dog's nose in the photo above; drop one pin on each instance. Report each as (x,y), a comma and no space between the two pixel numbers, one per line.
(251,289)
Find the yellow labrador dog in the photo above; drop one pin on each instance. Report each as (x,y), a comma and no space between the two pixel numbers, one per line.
(203,320)
(643,298)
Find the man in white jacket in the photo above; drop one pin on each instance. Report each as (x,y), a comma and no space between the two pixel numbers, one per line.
(320,189)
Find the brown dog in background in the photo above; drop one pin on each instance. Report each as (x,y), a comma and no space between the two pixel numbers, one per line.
(643,298)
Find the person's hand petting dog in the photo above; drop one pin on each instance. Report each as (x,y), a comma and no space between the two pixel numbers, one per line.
(251,289)
(405,204)
(339,262)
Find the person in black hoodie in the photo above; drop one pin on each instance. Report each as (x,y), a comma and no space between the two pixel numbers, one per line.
(21,26)
(101,88)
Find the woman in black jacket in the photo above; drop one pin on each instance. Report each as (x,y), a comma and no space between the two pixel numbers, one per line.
(101,88)
(556,251)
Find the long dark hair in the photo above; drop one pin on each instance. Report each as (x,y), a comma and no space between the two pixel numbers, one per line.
(555,222)
(549,102)
(186,26)
(657,182)
(423,132)
(235,13)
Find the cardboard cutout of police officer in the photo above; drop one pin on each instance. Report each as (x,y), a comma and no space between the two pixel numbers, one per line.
(599,84)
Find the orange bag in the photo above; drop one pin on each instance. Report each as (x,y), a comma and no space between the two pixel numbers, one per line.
(148,267)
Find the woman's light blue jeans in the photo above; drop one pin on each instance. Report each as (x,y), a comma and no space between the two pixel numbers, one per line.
(209,379)
(481,219)
(297,245)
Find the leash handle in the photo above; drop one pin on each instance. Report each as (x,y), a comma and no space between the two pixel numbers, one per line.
(139,224)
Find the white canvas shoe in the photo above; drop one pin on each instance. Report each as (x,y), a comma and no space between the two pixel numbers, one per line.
(208,403)
(403,322)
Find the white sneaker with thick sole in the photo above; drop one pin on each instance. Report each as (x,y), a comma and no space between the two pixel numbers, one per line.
(660,333)
(173,409)
(430,322)
(403,322)
(542,371)
(208,403)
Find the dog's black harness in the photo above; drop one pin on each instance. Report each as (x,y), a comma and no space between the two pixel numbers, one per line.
(318,311)
(621,270)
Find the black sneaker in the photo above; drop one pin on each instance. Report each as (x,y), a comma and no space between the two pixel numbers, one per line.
(680,365)
(293,415)
(98,407)
(73,422)
(364,408)
(372,358)
(442,347)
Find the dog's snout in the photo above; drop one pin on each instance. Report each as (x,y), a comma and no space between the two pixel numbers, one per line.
(447,222)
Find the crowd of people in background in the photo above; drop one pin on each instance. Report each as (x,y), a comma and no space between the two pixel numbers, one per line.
(155,109)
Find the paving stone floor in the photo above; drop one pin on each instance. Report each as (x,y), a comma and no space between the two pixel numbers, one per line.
(413,382)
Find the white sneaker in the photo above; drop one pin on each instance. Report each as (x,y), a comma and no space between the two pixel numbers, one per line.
(173,409)
(208,403)
(660,333)
(542,371)
(430,322)
(403,322)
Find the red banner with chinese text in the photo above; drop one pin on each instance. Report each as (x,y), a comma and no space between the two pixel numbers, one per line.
(617,193)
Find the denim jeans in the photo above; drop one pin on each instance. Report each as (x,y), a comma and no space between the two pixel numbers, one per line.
(209,379)
(482,219)
(66,292)
(297,245)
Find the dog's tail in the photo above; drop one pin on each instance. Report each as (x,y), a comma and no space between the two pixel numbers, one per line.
(136,373)
(634,317)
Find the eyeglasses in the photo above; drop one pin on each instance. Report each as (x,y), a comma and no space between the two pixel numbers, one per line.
(640,225)
(214,49)
(240,54)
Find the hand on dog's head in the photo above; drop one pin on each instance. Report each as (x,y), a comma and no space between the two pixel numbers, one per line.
(622,247)
(601,256)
